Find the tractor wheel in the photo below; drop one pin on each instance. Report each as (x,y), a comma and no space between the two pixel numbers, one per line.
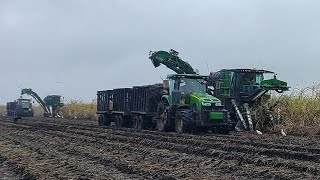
(183,120)
(163,114)
(224,130)
(118,120)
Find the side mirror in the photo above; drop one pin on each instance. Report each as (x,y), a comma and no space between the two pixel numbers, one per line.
(211,90)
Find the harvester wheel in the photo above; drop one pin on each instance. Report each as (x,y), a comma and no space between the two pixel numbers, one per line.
(118,121)
(163,114)
(183,120)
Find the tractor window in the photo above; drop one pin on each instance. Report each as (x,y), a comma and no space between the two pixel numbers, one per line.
(192,85)
(24,104)
(171,85)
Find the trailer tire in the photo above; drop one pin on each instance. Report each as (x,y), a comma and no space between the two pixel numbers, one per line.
(135,122)
(100,120)
(118,122)
(106,120)
(141,124)
(183,120)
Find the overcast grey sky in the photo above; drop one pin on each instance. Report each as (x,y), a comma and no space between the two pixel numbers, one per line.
(76,47)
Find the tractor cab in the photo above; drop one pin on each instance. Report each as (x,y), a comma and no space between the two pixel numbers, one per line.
(193,90)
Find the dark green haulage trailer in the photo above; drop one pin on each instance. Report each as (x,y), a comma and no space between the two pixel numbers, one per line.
(180,104)
(242,91)
(20,108)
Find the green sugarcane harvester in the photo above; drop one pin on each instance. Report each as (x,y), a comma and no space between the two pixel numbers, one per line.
(50,104)
(185,104)
(244,90)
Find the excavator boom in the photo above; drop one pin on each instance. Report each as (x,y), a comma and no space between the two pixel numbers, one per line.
(172,61)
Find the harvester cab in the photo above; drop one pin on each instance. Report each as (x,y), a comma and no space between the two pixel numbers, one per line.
(242,90)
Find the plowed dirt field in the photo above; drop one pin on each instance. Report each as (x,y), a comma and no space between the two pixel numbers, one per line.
(42,148)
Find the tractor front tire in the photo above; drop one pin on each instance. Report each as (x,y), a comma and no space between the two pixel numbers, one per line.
(183,121)
(163,114)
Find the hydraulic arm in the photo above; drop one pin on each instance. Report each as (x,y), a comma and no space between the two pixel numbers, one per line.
(172,61)
(37,98)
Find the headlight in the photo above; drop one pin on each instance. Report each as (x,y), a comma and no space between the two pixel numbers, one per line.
(206,104)
(218,104)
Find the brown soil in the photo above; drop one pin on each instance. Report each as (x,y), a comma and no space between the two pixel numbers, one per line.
(75,149)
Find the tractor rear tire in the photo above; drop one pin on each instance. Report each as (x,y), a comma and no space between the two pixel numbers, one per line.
(183,121)
(224,130)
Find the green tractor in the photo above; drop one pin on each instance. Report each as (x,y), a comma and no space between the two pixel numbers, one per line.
(20,108)
(186,104)
(243,91)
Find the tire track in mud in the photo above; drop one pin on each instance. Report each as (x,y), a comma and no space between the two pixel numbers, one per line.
(230,158)
(283,151)
(207,146)
(244,139)
(230,168)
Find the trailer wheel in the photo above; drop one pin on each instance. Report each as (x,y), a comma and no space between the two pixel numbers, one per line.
(100,120)
(118,121)
(106,120)
(141,124)
(135,121)
(163,114)
(183,120)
